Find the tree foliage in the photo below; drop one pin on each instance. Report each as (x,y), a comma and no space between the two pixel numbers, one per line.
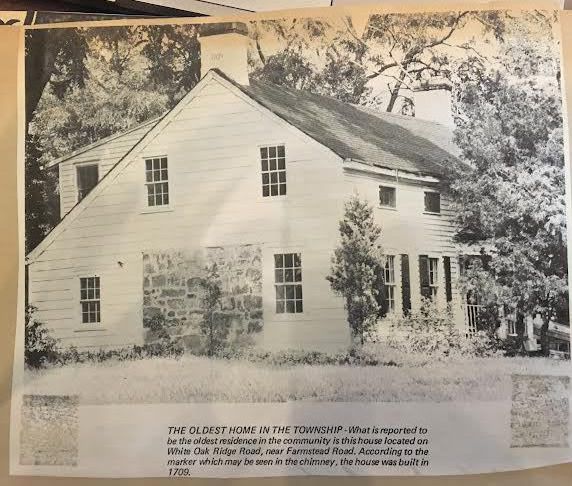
(40,347)
(357,270)
(511,206)
(85,84)
(380,63)
(214,327)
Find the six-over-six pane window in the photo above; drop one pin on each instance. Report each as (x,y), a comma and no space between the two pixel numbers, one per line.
(288,283)
(90,300)
(273,166)
(157,181)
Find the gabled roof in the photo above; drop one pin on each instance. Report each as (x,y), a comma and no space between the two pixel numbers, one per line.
(127,138)
(353,133)
(361,134)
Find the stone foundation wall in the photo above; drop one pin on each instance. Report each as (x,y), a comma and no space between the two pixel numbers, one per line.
(172,289)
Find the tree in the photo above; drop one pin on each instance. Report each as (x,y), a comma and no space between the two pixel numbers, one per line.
(53,53)
(290,64)
(511,206)
(214,327)
(357,271)
(393,52)
(119,76)
(40,347)
(42,211)
(59,57)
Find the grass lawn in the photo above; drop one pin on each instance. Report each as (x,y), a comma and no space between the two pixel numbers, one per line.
(198,379)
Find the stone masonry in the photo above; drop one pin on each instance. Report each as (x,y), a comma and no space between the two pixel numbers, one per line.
(172,288)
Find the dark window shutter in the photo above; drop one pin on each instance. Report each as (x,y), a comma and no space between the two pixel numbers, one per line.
(447,267)
(405,284)
(424,276)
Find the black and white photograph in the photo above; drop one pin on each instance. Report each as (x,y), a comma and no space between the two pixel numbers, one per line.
(364,207)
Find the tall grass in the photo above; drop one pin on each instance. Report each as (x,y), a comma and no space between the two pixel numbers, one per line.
(201,379)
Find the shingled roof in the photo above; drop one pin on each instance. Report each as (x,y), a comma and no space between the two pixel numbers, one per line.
(353,132)
(361,134)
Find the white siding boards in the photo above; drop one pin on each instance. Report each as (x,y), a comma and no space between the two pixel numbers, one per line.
(212,141)
(104,153)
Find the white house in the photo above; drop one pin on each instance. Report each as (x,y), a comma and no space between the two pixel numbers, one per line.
(252,176)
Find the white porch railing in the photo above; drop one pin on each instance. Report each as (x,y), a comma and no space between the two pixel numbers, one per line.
(472,312)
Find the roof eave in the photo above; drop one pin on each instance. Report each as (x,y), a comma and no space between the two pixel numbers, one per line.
(97,143)
(357,164)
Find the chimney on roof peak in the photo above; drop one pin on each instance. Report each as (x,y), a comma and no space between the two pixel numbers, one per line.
(224,46)
(432,100)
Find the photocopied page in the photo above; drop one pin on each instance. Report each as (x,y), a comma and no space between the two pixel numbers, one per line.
(314,242)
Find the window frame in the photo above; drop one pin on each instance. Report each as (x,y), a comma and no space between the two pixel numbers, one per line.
(146,184)
(260,172)
(96,299)
(77,167)
(384,206)
(283,284)
(392,285)
(428,211)
(433,277)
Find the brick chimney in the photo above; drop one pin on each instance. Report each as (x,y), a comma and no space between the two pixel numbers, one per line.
(225,46)
(432,101)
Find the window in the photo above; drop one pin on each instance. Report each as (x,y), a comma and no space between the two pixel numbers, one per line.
(157,181)
(273,162)
(387,196)
(433,276)
(390,282)
(432,202)
(560,346)
(87,178)
(89,299)
(288,283)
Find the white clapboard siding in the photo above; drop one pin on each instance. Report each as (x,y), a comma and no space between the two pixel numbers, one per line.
(212,146)
(408,229)
(106,154)
(215,184)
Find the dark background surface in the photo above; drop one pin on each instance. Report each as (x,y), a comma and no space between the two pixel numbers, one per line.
(126,7)
(130,7)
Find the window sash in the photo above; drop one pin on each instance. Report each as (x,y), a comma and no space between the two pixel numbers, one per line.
(389,277)
(387,196)
(433,202)
(273,170)
(87,178)
(157,181)
(90,300)
(433,276)
(389,270)
(288,283)
(511,327)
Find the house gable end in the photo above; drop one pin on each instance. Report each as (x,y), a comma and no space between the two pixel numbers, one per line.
(152,134)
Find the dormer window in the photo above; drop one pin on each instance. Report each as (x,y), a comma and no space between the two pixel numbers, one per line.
(387,197)
(432,202)
(157,181)
(273,166)
(87,178)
